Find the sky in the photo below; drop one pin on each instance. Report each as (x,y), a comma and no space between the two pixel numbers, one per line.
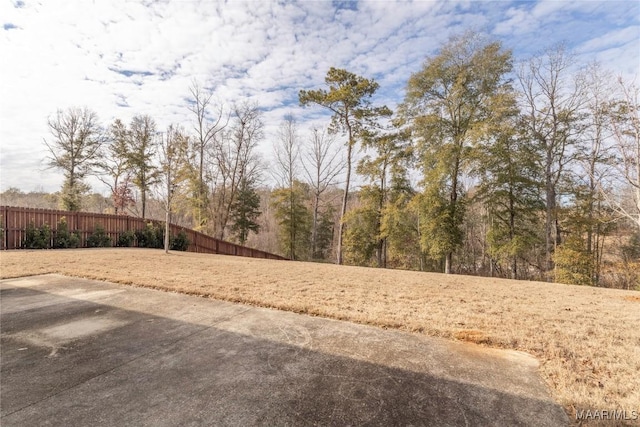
(122,58)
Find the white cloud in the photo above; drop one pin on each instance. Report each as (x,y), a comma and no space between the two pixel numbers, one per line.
(123,58)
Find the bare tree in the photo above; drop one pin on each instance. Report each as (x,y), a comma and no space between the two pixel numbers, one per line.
(322,163)
(234,159)
(625,121)
(287,156)
(551,104)
(287,153)
(209,123)
(594,159)
(74,149)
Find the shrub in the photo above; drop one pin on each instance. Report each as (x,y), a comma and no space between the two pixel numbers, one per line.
(179,242)
(574,266)
(37,237)
(99,238)
(151,236)
(126,239)
(64,239)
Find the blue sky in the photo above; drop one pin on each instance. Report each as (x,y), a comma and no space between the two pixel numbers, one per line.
(128,57)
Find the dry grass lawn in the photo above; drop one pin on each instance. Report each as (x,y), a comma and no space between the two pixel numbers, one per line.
(587,339)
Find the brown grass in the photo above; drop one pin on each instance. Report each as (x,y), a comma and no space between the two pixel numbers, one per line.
(587,339)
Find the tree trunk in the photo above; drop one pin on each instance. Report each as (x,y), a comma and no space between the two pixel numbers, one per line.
(144,202)
(379,255)
(167,218)
(548,225)
(343,211)
(447,263)
(314,230)
(512,231)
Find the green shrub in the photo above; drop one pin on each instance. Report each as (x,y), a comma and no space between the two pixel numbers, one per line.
(574,266)
(151,236)
(64,239)
(37,237)
(126,239)
(179,242)
(99,238)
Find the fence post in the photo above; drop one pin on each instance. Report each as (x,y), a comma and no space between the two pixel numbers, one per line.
(5,228)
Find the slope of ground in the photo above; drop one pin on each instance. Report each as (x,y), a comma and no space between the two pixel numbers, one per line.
(587,339)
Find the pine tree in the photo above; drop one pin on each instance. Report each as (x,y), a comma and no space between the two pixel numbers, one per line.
(245,211)
(294,220)
(348,98)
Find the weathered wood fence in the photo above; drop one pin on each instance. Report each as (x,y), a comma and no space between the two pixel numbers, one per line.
(15,220)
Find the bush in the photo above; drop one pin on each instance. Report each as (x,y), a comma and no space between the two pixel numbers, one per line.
(126,239)
(37,237)
(179,242)
(99,238)
(63,239)
(151,236)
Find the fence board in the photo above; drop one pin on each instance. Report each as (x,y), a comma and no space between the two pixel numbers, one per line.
(15,220)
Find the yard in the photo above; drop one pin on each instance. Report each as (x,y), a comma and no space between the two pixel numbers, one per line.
(587,339)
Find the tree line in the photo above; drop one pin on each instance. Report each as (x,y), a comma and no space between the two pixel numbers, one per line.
(526,170)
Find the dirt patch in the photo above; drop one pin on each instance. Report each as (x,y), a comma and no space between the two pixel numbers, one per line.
(633,298)
(472,335)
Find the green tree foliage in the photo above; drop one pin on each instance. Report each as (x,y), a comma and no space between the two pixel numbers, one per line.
(349,99)
(245,211)
(400,226)
(440,223)
(142,147)
(72,194)
(362,235)
(385,170)
(74,149)
(113,166)
(294,220)
(321,243)
(510,190)
(173,149)
(573,265)
(447,102)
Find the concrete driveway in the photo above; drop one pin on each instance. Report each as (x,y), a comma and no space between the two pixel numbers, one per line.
(79,352)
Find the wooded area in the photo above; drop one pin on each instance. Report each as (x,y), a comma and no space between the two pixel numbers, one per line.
(527,169)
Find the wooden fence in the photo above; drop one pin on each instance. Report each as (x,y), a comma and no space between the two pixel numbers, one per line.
(14,222)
